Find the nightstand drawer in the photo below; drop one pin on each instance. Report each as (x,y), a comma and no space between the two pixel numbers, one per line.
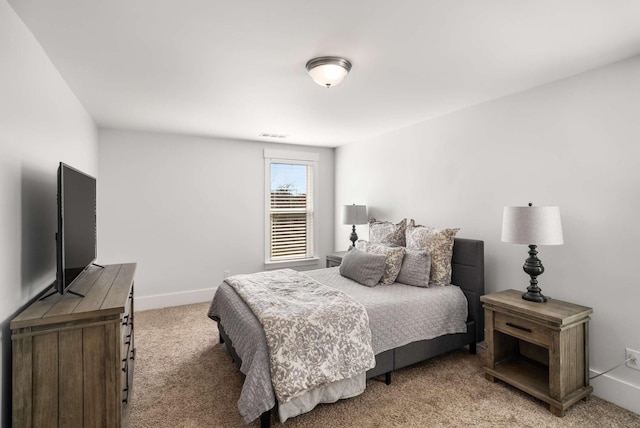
(522,329)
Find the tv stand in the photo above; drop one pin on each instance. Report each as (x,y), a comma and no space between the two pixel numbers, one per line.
(53,284)
(67,291)
(74,293)
(73,359)
(56,292)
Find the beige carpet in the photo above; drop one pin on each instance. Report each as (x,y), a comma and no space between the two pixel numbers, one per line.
(185,378)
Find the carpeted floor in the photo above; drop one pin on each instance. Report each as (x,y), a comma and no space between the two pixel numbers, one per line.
(185,378)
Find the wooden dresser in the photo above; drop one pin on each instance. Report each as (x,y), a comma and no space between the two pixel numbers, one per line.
(540,348)
(73,356)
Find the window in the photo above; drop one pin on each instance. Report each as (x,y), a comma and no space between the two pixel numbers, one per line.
(289,207)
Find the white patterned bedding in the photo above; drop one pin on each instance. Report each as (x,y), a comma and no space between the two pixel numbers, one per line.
(398,315)
(316,334)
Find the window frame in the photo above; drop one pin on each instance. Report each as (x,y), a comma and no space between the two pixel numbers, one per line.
(309,159)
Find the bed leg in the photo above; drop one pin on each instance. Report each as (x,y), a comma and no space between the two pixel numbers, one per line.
(265,419)
(472,348)
(387,378)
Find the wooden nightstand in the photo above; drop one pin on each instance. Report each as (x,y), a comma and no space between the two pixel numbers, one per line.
(540,348)
(335,259)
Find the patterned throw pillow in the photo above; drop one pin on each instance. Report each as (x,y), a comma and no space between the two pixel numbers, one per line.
(439,245)
(387,233)
(415,269)
(394,259)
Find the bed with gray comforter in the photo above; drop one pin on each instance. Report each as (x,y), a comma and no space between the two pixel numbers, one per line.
(408,324)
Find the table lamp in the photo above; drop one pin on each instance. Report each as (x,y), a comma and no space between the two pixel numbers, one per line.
(532,226)
(354,214)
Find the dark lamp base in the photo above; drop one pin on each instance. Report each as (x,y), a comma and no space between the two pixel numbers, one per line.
(534,297)
(354,237)
(533,267)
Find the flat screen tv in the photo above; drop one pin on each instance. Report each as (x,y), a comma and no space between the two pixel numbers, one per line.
(76,238)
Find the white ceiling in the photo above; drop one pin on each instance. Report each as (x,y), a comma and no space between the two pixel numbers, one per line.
(236,68)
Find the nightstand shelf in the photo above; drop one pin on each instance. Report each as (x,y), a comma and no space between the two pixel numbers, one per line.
(524,374)
(539,348)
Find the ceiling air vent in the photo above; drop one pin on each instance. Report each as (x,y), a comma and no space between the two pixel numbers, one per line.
(269,135)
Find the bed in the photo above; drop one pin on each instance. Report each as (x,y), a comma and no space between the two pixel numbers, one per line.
(242,334)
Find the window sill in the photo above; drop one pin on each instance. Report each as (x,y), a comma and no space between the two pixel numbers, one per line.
(291,263)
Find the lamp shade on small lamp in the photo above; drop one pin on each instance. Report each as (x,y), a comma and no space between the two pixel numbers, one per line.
(354,214)
(532,226)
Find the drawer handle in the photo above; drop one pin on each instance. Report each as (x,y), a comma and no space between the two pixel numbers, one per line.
(528,330)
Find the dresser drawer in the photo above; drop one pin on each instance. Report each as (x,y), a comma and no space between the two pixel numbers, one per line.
(522,328)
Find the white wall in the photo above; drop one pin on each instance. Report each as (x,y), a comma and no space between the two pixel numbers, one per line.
(574,143)
(188,208)
(41,124)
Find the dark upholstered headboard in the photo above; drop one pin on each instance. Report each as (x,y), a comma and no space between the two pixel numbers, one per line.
(467,272)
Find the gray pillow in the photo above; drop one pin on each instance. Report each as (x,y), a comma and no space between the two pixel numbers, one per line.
(415,269)
(365,268)
(394,257)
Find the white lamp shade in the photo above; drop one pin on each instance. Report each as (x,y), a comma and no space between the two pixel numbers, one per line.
(354,214)
(532,225)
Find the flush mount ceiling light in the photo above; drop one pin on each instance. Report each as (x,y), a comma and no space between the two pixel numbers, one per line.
(328,71)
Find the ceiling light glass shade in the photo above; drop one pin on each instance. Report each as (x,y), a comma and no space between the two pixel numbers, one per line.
(532,225)
(328,71)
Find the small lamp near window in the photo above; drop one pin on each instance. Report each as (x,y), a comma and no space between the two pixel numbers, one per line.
(532,226)
(354,214)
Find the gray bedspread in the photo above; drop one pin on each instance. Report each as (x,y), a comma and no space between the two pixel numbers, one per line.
(401,314)
(257,395)
(398,314)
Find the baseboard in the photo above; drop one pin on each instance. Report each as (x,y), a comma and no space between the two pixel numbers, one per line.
(619,392)
(173,299)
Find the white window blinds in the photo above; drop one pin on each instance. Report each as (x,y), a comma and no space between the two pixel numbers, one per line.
(290,208)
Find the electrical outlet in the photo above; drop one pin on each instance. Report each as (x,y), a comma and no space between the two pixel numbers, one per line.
(634,359)
(227,273)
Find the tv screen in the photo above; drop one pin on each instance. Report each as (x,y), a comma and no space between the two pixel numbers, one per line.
(76,238)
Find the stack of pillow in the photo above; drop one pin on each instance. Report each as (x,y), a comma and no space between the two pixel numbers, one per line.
(410,254)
